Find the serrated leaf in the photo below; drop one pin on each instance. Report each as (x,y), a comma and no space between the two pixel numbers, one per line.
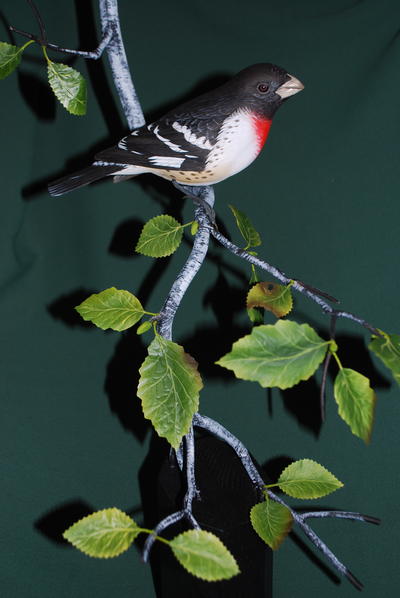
(160,236)
(387,348)
(103,534)
(113,308)
(271,521)
(271,296)
(204,555)
(169,388)
(307,479)
(356,400)
(68,86)
(247,230)
(280,355)
(10,57)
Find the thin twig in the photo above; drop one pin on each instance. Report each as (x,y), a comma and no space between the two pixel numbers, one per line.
(241,451)
(191,493)
(341,515)
(39,19)
(326,366)
(296,284)
(90,55)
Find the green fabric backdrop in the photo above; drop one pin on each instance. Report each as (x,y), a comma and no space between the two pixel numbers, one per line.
(324,195)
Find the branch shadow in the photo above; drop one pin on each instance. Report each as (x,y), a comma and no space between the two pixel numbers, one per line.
(226,497)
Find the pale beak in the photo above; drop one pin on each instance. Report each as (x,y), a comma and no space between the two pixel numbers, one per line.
(290,87)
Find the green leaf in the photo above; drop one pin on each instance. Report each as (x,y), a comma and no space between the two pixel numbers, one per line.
(254,276)
(271,296)
(144,327)
(307,479)
(169,388)
(271,521)
(204,555)
(356,401)
(103,534)
(112,308)
(10,57)
(387,348)
(280,355)
(194,228)
(256,315)
(160,236)
(248,232)
(68,86)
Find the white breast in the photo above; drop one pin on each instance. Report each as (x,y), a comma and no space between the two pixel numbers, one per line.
(237,145)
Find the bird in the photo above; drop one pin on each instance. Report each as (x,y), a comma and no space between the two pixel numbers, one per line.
(200,142)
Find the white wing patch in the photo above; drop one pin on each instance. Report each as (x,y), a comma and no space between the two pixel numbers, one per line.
(168,162)
(170,144)
(122,145)
(201,142)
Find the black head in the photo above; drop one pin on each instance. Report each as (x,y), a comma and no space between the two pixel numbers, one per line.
(264,87)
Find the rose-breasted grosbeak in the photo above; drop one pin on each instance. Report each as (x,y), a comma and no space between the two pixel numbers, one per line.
(201,142)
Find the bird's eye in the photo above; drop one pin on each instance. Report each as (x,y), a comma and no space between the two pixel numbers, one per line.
(262,87)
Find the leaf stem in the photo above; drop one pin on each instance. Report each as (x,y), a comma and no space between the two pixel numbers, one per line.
(335,355)
(49,62)
(28,43)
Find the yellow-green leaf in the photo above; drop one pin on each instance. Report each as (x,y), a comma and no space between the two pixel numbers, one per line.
(307,479)
(244,224)
(204,555)
(113,308)
(271,296)
(144,327)
(103,534)
(160,236)
(169,388)
(356,400)
(272,522)
(280,355)
(387,348)
(68,86)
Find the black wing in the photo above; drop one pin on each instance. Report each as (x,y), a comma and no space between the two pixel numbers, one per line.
(180,140)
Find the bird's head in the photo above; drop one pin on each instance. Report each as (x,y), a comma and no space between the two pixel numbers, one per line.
(264,87)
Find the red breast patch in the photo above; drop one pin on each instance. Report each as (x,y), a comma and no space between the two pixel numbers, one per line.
(262,127)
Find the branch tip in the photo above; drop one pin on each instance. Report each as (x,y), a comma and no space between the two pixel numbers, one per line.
(353,580)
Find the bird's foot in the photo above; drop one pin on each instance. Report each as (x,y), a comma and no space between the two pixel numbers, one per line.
(198,195)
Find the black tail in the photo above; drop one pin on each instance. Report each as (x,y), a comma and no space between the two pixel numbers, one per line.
(79,179)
